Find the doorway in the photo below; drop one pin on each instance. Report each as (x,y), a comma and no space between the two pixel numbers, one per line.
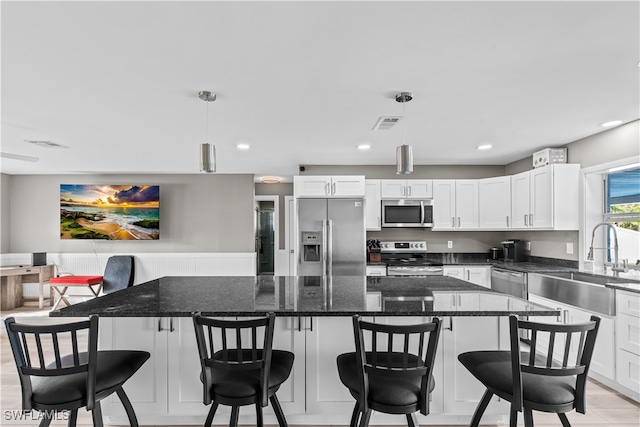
(266,234)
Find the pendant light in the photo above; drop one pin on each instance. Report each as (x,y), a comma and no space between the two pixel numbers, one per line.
(404,152)
(207,150)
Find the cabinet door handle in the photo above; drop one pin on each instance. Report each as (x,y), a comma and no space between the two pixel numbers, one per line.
(507,220)
(526,222)
(458,222)
(564,316)
(333,189)
(453,222)
(409,191)
(530,220)
(327,189)
(171,328)
(160,328)
(403,191)
(559,316)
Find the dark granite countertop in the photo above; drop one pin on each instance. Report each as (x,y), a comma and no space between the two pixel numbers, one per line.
(305,296)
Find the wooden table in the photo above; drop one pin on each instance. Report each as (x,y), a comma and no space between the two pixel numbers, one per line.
(13,277)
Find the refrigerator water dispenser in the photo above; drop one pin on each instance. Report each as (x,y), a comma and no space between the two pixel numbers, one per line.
(311,246)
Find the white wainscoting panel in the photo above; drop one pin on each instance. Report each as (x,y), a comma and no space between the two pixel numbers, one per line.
(149,266)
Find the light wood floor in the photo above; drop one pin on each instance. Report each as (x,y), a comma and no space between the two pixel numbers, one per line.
(605,408)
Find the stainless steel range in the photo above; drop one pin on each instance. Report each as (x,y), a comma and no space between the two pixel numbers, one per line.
(408,258)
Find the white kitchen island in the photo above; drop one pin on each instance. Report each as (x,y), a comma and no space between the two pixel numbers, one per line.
(314,323)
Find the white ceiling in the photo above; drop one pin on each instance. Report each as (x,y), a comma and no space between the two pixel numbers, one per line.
(304,82)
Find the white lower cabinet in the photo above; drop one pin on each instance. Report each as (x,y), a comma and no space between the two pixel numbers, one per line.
(479,275)
(167,389)
(603,359)
(461,391)
(628,343)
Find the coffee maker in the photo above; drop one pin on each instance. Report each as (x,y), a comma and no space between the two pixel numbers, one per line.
(514,250)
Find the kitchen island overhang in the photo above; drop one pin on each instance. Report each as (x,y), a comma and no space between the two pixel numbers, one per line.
(179,296)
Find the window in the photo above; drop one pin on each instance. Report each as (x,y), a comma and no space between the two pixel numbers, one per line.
(622,209)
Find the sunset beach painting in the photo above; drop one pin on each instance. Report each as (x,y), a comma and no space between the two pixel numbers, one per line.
(110,212)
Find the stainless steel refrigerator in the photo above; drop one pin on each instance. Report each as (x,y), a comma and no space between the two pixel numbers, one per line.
(331,237)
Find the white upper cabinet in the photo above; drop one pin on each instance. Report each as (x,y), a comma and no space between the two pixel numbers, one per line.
(406,188)
(455,204)
(329,186)
(444,204)
(494,202)
(546,198)
(373,205)
(466,204)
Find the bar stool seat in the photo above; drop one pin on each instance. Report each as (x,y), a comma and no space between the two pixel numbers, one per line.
(387,391)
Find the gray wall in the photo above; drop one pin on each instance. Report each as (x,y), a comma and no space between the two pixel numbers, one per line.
(5,206)
(198,213)
(419,171)
(619,143)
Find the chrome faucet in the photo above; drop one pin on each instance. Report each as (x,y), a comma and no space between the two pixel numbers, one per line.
(616,269)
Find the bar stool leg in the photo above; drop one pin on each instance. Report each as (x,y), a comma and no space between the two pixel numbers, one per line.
(355,415)
(412,421)
(234,417)
(131,415)
(482,406)
(73,418)
(366,416)
(528,418)
(96,414)
(564,420)
(259,422)
(513,419)
(275,404)
(212,412)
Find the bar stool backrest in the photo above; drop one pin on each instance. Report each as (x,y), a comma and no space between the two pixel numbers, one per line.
(234,346)
(555,350)
(400,351)
(54,350)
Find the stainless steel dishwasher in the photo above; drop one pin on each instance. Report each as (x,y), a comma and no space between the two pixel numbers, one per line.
(509,282)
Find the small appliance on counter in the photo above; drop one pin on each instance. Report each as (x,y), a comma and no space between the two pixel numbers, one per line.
(496,254)
(514,250)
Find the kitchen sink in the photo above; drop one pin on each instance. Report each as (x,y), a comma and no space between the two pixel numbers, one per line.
(583,290)
(587,278)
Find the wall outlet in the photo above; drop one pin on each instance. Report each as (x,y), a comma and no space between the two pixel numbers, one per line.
(528,246)
(570,248)
(450,244)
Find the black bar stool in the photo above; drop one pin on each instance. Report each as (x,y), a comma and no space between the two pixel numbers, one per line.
(53,380)
(384,379)
(550,378)
(237,375)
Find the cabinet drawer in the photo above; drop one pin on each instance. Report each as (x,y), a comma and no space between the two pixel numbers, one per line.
(628,303)
(628,333)
(628,370)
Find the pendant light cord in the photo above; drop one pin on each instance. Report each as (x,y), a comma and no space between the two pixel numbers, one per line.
(207,122)
(404,126)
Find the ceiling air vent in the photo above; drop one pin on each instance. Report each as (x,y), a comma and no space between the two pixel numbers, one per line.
(46,144)
(386,123)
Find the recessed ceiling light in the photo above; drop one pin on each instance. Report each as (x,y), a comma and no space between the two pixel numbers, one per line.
(270,180)
(611,123)
(243,146)
(484,147)
(364,146)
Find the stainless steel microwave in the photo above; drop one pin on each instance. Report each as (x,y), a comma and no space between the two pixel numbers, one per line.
(407,213)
